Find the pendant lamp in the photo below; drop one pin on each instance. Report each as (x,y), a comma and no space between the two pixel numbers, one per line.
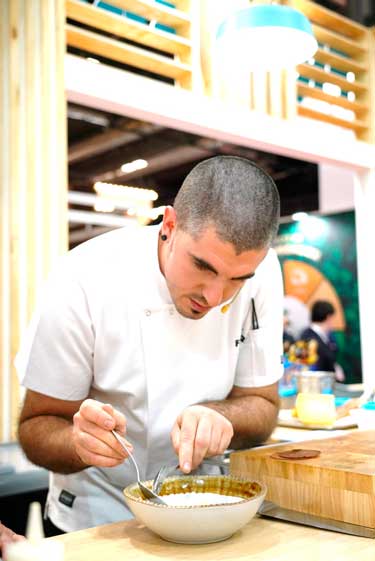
(266,37)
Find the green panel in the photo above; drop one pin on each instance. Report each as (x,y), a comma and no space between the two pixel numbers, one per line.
(336,242)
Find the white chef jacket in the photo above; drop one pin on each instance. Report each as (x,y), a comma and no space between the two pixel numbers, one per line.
(107,329)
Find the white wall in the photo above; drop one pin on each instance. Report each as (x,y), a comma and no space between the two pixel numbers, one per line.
(336,188)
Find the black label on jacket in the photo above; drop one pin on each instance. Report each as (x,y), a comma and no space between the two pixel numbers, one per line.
(66,498)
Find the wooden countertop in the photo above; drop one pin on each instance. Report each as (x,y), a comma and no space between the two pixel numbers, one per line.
(260,540)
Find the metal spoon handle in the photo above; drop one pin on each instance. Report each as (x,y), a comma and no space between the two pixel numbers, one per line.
(120,440)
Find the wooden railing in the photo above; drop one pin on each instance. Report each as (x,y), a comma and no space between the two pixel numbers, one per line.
(130,31)
(341,76)
(336,87)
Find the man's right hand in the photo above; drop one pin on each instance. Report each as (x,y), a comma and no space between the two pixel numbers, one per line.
(93,441)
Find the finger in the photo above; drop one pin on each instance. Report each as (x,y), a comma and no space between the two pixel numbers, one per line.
(86,427)
(93,411)
(226,439)
(216,437)
(93,451)
(120,419)
(223,445)
(175,437)
(91,440)
(202,440)
(188,429)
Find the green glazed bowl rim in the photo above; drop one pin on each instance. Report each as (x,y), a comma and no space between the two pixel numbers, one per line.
(259,490)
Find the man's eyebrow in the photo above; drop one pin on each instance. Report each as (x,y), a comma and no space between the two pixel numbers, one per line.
(202,264)
(244,277)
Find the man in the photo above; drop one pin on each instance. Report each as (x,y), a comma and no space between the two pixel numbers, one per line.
(170,334)
(320,330)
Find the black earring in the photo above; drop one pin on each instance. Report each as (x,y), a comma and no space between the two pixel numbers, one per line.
(163,237)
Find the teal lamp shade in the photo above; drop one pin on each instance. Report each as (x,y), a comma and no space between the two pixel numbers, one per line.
(267,37)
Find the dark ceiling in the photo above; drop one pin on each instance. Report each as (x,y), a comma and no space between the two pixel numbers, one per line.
(99,143)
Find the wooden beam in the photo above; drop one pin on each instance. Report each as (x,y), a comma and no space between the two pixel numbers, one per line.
(99,143)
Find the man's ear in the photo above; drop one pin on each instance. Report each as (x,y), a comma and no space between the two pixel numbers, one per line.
(169,221)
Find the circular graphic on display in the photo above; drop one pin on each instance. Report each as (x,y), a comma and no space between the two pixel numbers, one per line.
(304,285)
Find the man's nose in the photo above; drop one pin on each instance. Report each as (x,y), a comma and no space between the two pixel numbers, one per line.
(213,294)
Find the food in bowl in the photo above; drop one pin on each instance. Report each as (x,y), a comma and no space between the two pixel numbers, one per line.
(201,509)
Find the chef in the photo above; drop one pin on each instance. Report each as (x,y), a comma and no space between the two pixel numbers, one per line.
(170,334)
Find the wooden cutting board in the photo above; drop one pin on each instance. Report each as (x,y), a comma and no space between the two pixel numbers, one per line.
(338,484)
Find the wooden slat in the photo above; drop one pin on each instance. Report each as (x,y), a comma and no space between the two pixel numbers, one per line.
(154,10)
(328,18)
(357,126)
(339,62)
(15,194)
(337,41)
(369,79)
(127,28)
(314,73)
(183,5)
(5,132)
(127,54)
(358,108)
(33,211)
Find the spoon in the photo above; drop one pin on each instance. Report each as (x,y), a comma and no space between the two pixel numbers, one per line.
(146,492)
(163,472)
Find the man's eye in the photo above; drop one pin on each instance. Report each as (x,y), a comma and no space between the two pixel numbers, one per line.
(238,281)
(200,266)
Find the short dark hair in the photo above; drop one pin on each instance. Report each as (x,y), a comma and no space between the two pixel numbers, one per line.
(233,195)
(321,310)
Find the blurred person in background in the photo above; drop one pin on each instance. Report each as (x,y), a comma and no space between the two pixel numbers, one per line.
(321,330)
(288,338)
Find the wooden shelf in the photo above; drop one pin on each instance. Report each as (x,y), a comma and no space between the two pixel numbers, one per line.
(126,54)
(339,42)
(328,18)
(316,93)
(154,10)
(339,62)
(357,126)
(311,72)
(124,27)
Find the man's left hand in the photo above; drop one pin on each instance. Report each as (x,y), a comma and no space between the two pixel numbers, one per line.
(200,432)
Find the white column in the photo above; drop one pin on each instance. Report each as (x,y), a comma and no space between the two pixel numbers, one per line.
(364,198)
(336,188)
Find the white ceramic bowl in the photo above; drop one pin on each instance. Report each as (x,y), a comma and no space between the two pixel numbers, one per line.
(195,524)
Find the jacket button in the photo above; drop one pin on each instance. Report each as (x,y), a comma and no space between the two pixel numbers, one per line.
(147,312)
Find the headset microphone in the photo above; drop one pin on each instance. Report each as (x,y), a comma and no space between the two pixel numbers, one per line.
(226,307)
